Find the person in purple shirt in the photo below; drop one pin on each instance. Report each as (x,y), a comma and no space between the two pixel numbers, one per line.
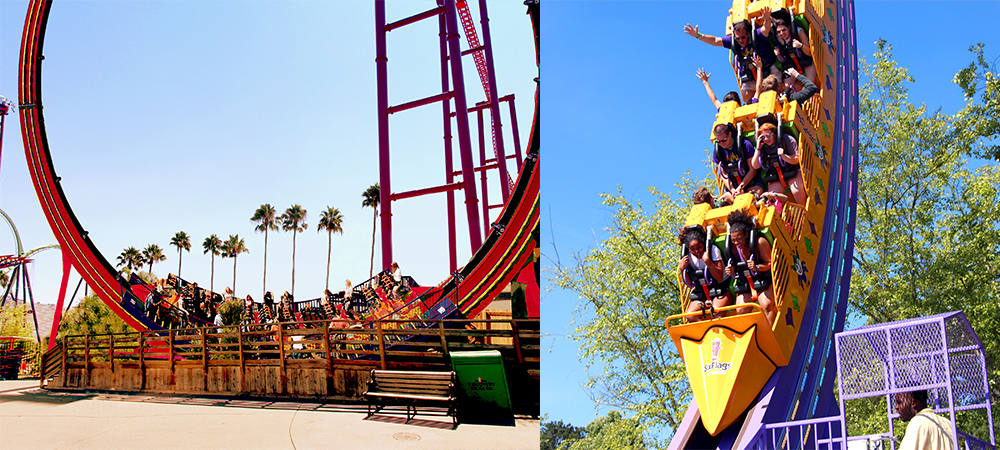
(731,160)
(743,49)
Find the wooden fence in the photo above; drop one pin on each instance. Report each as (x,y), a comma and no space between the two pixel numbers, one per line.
(323,359)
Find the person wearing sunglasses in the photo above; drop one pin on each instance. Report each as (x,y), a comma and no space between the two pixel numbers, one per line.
(744,45)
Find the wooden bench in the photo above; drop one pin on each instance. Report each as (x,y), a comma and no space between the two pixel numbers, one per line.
(410,387)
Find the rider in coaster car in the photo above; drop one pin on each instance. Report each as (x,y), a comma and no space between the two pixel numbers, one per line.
(744,43)
(750,265)
(732,162)
(778,160)
(701,270)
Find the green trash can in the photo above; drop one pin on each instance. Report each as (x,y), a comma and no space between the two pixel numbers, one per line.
(482,387)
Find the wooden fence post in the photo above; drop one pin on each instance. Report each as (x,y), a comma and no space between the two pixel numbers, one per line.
(281,353)
(444,340)
(326,345)
(86,354)
(111,352)
(381,344)
(170,337)
(204,356)
(142,360)
(243,363)
(517,341)
(65,377)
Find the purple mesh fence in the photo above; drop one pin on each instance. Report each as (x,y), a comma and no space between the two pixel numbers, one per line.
(940,353)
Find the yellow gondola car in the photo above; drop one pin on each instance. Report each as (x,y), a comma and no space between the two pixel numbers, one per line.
(729,359)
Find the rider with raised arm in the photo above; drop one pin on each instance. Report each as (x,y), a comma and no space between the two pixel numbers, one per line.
(744,43)
(731,96)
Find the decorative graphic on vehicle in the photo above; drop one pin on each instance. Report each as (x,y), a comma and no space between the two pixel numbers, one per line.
(716,367)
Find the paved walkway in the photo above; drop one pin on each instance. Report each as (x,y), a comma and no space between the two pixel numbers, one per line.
(40,419)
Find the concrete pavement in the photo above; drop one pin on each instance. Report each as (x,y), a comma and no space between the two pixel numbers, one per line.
(41,419)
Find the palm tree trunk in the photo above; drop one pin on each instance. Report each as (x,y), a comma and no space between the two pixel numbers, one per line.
(329,238)
(234,276)
(371,267)
(211,280)
(265,263)
(294,233)
(179,260)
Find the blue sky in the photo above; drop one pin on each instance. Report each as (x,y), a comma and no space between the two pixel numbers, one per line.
(165,116)
(624,110)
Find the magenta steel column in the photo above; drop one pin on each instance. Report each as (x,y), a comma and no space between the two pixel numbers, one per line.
(513,128)
(462,116)
(382,77)
(449,166)
(494,105)
(482,172)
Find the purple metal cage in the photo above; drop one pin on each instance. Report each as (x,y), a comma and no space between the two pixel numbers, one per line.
(941,354)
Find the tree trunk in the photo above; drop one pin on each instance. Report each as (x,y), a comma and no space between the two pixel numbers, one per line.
(294,233)
(211,280)
(371,267)
(234,275)
(265,263)
(179,261)
(329,239)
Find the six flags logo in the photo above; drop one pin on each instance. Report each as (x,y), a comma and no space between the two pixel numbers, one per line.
(715,367)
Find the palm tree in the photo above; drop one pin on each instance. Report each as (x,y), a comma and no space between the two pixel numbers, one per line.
(332,222)
(152,254)
(182,242)
(371,198)
(294,220)
(231,249)
(212,244)
(265,220)
(130,258)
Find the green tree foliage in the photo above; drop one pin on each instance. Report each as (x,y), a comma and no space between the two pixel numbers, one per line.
(153,254)
(130,258)
(91,316)
(554,434)
(628,287)
(232,248)
(266,221)
(330,221)
(980,119)
(611,431)
(231,311)
(182,242)
(294,220)
(14,321)
(370,199)
(927,221)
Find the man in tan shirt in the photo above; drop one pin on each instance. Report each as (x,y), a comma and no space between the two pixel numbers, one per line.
(926,430)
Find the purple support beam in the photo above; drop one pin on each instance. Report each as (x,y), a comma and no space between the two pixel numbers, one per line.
(494,105)
(382,78)
(482,173)
(449,166)
(414,18)
(513,125)
(425,191)
(442,97)
(462,116)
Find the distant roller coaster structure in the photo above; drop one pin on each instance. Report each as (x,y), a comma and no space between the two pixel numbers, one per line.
(506,251)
